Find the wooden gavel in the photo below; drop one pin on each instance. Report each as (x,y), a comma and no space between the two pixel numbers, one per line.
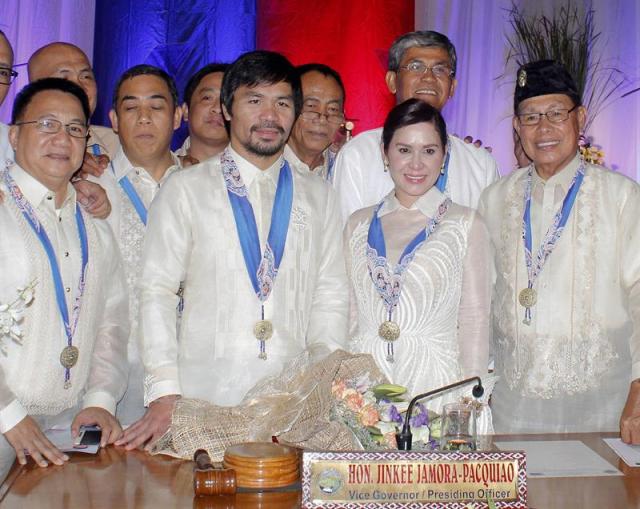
(210,478)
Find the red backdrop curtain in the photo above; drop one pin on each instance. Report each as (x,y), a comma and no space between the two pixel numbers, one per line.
(352,36)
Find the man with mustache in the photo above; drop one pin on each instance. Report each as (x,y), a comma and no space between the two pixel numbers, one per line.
(201,108)
(422,65)
(322,115)
(566,302)
(64,355)
(257,248)
(145,113)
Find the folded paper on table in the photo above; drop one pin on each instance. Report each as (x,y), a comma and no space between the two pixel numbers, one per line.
(560,458)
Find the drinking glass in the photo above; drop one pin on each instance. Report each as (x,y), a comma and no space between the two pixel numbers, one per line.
(458,427)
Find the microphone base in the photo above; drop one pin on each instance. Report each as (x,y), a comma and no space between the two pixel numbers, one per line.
(404,441)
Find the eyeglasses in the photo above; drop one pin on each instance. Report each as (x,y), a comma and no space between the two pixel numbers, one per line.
(52,126)
(314,116)
(553,116)
(7,75)
(419,68)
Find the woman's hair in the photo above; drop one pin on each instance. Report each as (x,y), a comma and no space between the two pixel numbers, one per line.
(410,112)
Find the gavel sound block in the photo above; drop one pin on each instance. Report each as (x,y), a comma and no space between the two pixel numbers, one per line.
(254,465)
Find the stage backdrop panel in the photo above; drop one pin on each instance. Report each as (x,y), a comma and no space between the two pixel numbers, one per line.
(178,36)
(352,36)
(30,24)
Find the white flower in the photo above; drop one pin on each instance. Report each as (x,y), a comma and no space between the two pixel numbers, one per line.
(420,434)
(12,314)
(369,398)
(26,294)
(386,427)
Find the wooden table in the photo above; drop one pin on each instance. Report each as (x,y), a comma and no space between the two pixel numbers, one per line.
(117,479)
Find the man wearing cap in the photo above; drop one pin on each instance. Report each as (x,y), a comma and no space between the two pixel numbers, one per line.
(422,65)
(566,303)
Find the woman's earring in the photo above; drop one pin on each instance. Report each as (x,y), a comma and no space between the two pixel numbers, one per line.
(386,166)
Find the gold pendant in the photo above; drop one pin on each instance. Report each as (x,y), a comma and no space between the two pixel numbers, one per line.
(263,330)
(528,297)
(69,356)
(389,331)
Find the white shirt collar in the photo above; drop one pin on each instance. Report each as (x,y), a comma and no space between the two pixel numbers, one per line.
(121,166)
(293,159)
(427,204)
(249,172)
(563,178)
(36,192)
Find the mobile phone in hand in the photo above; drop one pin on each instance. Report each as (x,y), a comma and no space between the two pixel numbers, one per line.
(89,435)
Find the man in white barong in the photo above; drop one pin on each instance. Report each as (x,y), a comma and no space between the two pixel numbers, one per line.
(311,145)
(145,113)
(257,248)
(422,65)
(64,350)
(566,302)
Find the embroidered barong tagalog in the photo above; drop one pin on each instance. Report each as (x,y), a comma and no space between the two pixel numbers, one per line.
(387,282)
(528,296)
(70,353)
(133,196)
(262,267)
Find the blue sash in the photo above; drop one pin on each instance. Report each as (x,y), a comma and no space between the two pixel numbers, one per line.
(387,282)
(553,234)
(133,196)
(262,268)
(29,214)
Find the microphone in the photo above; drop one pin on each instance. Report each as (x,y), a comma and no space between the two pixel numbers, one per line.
(405,437)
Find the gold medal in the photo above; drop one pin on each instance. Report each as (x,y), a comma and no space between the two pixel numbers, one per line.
(263,330)
(528,297)
(389,331)
(69,356)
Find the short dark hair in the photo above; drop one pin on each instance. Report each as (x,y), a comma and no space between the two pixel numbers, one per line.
(257,68)
(26,95)
(143,70)
(410,112)
(199,75)
(325,70)
(421,39)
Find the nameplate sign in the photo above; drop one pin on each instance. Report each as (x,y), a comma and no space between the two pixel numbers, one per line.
(413,479)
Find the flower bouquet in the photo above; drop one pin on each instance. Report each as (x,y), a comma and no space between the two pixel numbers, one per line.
(375,412)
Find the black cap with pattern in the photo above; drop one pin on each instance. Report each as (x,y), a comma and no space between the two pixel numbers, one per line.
(541,78)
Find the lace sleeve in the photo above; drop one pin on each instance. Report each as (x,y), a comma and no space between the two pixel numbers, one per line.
(475,301)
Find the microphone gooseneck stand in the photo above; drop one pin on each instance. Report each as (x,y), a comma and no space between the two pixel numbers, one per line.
(405,437)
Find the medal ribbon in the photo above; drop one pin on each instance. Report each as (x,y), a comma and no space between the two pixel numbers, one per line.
(388,283)
(133,196)
(261,267)
(554,232)
(29,214)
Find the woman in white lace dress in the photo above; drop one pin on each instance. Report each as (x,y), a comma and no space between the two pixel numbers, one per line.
(425,320)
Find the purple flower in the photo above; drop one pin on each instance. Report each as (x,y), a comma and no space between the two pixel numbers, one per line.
(421,418)
(389,413)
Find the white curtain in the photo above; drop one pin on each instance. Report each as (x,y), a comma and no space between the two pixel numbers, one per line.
(483,104)
(30,24)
